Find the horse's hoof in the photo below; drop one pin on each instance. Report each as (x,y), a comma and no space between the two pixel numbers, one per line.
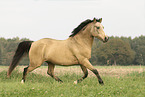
(22,81)
(75,82)
(101,82)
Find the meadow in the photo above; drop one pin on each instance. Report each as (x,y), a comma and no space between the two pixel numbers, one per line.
(120,81)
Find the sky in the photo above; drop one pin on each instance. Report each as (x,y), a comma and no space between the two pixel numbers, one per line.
(37,19)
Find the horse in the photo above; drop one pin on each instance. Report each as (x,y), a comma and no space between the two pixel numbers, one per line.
(76,50)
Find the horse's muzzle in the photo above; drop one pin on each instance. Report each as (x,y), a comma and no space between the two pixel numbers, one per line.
(106,39)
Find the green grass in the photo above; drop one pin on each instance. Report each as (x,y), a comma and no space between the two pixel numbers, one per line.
(131,85)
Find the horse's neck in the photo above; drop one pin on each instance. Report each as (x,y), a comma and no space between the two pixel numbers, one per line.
(84,39)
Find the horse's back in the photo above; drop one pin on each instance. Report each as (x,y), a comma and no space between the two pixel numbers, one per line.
(42,45)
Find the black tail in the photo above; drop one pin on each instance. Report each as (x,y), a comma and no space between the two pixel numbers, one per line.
(23,48)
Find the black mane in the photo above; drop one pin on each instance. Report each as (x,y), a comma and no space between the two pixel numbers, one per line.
(83,24)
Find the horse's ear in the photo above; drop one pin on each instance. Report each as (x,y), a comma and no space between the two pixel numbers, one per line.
(100,20)
(94,20)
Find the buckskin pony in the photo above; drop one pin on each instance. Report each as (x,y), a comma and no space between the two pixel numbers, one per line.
(72,51)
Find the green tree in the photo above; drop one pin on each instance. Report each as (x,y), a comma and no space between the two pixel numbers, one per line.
(116,51)
(138,45)
(140,55)
(8,48)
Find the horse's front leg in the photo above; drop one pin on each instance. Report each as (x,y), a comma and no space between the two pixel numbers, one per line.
(85,71)
(85,62)
(51,72)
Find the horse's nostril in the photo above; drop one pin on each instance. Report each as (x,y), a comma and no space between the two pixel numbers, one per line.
(106,39)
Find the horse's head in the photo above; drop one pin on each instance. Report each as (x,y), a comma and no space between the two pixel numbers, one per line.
(97,30)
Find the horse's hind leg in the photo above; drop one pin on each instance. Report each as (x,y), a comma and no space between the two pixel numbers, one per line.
(85,71)
(27,70)
(51,72)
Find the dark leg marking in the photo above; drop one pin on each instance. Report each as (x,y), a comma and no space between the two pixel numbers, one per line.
(85,76)
(85,71)
(98,76)
(56,78)
(24,73)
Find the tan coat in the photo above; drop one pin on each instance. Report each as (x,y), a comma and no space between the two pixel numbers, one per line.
(76,50)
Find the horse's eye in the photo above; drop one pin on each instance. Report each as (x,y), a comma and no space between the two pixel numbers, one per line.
(98,27)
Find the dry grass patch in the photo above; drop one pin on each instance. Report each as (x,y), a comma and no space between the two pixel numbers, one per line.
(116,71)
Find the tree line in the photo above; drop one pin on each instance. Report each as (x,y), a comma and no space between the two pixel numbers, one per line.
(117,51)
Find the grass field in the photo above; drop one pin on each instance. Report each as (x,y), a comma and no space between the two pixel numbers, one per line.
(120,81)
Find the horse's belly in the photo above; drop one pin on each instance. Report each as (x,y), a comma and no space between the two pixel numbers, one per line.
(61,57)
(60,60)
(63,61)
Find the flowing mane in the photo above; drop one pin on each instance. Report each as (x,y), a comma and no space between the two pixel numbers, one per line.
(83,24)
